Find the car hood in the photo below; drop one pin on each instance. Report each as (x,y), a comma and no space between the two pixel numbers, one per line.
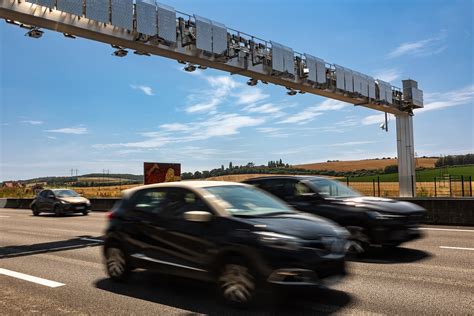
(304,226)
(74,200)
(383,205)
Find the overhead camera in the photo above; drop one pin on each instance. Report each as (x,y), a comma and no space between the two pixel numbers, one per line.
(252,82)
(68,35)
(34,33)
(291,92)
(141,53)
(202,67)
(190,68)
(120,52)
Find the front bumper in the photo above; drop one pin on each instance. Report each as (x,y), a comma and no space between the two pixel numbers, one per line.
(298,277)
(75,208)
(386,236)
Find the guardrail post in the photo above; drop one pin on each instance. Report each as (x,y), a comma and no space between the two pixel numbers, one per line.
(450,188)
(373,186)
(436,193)
(462,185)
(378,185)
(470,186)
(347,181)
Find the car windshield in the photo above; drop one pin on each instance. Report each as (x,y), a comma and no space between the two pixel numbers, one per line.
(65,193)
(247,201)
(332,189)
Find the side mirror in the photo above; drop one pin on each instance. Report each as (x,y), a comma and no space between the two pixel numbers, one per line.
(198,216)
(51,196)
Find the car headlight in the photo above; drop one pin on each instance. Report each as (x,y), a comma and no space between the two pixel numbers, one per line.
(64,202)
(382,216)
(280,241)
(88,203)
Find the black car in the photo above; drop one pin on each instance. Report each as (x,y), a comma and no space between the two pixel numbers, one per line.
(59,202)
(370,220)
(235,235)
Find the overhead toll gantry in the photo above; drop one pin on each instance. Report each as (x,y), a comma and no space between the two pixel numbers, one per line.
(150,28)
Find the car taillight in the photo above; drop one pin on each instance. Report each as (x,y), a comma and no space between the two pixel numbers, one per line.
(110,215)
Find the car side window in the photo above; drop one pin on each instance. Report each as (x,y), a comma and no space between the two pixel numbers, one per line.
(149,201)
(180,201)
(301,188)
(47,193)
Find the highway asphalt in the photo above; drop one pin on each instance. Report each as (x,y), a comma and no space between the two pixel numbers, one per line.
(53,265)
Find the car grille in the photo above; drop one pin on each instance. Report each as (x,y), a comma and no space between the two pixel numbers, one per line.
(414,219)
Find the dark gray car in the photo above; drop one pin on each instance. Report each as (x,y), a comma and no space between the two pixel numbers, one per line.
(59,202)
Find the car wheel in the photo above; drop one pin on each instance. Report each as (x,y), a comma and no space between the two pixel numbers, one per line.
(34,208)
(358,241)
(57,210)
(85,213)
(237,284)
(116,263)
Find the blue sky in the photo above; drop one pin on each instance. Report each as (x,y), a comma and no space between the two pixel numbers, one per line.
(70,104)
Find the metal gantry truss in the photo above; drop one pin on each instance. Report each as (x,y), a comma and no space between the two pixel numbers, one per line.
(150,28)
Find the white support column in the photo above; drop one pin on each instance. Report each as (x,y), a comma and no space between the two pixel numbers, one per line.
(406,156)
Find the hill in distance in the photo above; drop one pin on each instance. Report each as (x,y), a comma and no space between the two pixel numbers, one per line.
(368,164)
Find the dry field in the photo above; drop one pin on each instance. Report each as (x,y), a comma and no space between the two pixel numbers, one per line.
(368,164)
(108,191)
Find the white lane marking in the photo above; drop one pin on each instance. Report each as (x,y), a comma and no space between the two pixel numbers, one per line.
(4,216)
(456,248)
(30,278)
(448,229)
(92,239)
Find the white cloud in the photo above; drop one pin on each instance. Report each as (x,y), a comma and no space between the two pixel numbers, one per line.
(250,96)
(388,75)
(145,89)
(216,126)
(331,105)
(310,113)
(441,100)
(51,137)
(207,100)
(376,119)
(79,130)
(32,122)
(433,101)
(355,143)
(421,48)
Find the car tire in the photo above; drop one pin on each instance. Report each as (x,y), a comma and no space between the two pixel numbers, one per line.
(237,284)
(85,213)
(35,211)
(116,263)
(358,242)
(57,210)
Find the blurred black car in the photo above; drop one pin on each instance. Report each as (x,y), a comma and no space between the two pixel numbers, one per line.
(235,235)
(59,202)
(370,220)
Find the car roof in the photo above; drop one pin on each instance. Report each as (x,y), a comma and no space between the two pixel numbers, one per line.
(182,184)
(298,177)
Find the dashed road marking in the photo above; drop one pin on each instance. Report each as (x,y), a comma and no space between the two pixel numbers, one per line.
(30,278)
(456,248)
(92,239)
(4,216)
(448,229)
